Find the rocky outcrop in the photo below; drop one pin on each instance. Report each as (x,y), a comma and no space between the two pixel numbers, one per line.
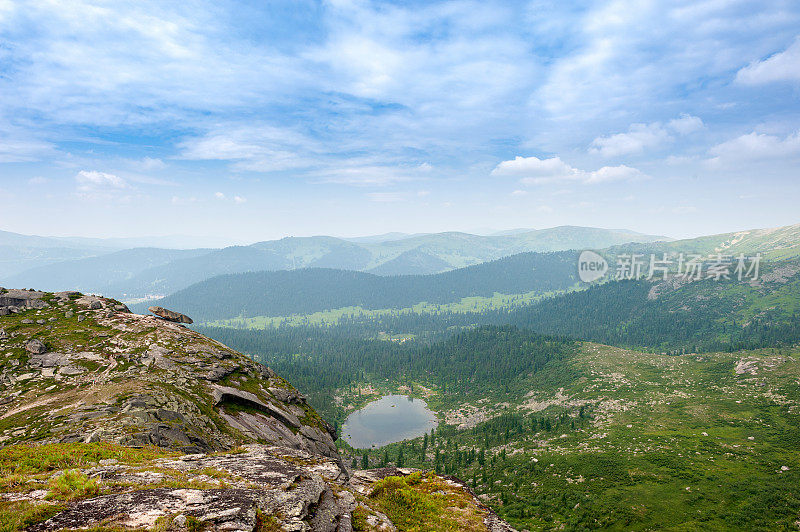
(83,368)
(14,301)
(298,490)
(169,315)
(363,481)
(79,370)
(258,488)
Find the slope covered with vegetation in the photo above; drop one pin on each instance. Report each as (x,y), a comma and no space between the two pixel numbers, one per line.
(675,316)
(584,436)
(309,290)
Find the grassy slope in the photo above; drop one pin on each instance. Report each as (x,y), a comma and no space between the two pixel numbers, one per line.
(330,318)
(774,244)
(668,443)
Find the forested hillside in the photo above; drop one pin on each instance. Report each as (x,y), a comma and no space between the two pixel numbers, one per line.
(557,434)
(704,315)
(473,363)
(309,290)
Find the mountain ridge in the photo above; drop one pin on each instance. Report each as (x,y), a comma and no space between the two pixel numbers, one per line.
(434,253)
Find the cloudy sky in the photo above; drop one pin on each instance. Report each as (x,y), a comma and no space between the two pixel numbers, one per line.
(254,121)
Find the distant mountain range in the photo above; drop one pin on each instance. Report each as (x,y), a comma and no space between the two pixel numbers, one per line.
(132,274)
(675,316)
(19,253)
(318,289)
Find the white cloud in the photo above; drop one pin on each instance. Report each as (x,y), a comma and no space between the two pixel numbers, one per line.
(148,164)
(96,63)
(535,168)
(368,77)
(782,66)
(368,174)
(631,56)
(638,138)
(89,181)
(535,171)
(686,124)
(261,148)
(755,147)
(236,198)
(17,146)
(520,193)
(642,137)
(607,174)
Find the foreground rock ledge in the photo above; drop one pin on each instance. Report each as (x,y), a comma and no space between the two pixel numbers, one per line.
(288,489)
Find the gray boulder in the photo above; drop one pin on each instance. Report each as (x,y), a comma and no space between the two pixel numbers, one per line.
(170,315)
(35,347)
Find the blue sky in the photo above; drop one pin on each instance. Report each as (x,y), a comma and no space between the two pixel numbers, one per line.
(248,121)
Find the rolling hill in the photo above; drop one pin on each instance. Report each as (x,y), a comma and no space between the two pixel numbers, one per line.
(675,316)
(21,252)
(772,243)
(280,293)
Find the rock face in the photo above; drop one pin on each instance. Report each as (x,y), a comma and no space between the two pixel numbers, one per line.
(80,369)
(16,301)
(87,369)
(169,315)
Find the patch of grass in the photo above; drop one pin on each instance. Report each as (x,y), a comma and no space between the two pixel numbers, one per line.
(266,523)
(19,515)
(32,459)
(72,484)
(193,524)
(422,502)
(359,519)
(215,473)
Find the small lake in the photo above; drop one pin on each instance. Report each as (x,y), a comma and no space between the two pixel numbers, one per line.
(390,419)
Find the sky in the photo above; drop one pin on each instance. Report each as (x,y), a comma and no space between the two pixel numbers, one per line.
(258,120)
